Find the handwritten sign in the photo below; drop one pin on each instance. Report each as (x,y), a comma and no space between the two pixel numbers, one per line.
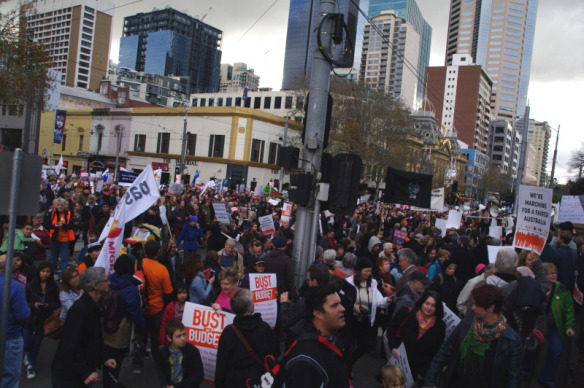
(533,217)
(450,319)
(403,364)
(263,287)
(203,328)
(267,224)
(286,211)
(221,213)
(572,209)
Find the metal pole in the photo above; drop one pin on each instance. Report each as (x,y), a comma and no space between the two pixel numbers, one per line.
(554,159)
(523,151)
(119,130)
(305,240)
(12,209)
(183,151)
(281,177)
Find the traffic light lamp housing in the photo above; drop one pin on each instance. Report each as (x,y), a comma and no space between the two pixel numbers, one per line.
(300,188)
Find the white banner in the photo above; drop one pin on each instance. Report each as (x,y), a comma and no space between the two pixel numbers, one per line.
(203,328)
(137,199)
(403,364)
(572,209)
(450,319)
(496,231)
(221,213)
(263,287)
(454,219)
(437,201)
(267,224)
(533,217)
(441,224)
(492,251)
(286,211)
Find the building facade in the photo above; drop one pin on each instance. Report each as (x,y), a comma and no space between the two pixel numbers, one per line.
(476,167)
(500,145)
(538,136)
(76,33)
(410,12)
(172,43)
(499,36)
(461,93)
(234,78)
(384,59)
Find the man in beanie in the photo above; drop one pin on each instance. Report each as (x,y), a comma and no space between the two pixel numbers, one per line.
(189,235)
(90,258)
(412,291)
(278,262)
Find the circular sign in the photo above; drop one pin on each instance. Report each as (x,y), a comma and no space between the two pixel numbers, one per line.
(45,153)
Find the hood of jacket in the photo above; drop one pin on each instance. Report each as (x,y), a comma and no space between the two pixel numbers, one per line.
(248,322)
(118,282)
(374,240)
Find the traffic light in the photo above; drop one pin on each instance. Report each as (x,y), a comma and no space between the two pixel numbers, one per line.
(300,188)
(344,183)
(450,199)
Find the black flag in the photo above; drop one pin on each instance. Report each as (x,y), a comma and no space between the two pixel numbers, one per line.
(408,188)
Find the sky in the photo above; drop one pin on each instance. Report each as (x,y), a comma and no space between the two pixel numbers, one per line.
(557,72)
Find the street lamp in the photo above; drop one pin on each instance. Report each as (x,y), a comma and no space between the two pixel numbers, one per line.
(119,129)
(184,141)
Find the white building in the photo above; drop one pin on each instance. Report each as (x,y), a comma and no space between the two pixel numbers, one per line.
(234,78)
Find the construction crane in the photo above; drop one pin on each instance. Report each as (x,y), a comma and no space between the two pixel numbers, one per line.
(205,15)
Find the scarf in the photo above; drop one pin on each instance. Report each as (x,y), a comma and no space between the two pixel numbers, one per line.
(424,324)
(480,336)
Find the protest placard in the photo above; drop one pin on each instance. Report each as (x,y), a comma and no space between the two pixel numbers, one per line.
(286,211)
(267,224)
(403,364)
(492,252)
(572,209)
(454,219)
(436,203)
(263,288)
(496,231)
(533,217)
(441,224)
(450,319)
(399,238)
(221,213)
(203,328)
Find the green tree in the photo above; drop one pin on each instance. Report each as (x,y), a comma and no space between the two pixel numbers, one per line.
(577,160)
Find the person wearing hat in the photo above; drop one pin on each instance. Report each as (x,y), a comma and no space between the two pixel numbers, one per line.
(368,301)
(413,290)
(90,258)
(258,267)
(278,262)
(446,286)
(190,235)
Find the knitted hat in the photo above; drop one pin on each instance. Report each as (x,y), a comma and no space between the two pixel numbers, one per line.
(124,265)
(279,242)
(363,262)
(193,219)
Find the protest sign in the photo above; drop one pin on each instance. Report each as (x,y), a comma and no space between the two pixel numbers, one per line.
(450,319)
(441,224)
(162,211)
(126,178)
(263,288)
(221,213)
(454,219)
(572,209)
(286,211)
(98,186)
(267,224)
(492,252)
(203,328)
(399,238)
(403,364)
(533,218)
(496,231)
(436,203)
(274,202)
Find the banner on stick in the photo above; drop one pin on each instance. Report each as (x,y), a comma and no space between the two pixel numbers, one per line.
(533,218)
(263,287)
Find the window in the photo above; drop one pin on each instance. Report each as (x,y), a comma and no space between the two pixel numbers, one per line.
(195,101)
(257,151)
(288,102)
(139,143)
(237,101)
(273,153)
(278,102)
(220,101)
(228,101)
(267,102)
(80,142)
(203,101)
(257,102)
(211,101)
(300,102)
(64,143)
(191,143)
(163,143)
(216,144)
(247,102)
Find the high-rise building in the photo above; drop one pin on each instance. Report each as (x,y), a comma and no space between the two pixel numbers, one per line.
(301,40)
(539,136)
(236,77)
(500,146)
(460,94)
(499,36)
(172,43)
(76,34)
(383,64)
(410,12)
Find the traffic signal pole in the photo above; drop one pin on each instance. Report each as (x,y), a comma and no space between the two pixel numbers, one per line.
(307,216)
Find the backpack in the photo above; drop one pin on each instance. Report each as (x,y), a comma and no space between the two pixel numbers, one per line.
(111,310)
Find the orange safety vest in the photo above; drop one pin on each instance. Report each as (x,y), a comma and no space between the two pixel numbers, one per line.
(54,220)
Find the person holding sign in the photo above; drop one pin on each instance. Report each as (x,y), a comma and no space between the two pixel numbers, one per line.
(422,331)
(228,279)
(483,351)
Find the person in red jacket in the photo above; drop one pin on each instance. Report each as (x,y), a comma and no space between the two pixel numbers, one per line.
(173,311)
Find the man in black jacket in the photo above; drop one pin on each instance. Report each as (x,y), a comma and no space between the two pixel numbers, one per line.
(278,262)
(81,349)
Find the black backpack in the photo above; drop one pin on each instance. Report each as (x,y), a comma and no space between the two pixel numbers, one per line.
(111,310)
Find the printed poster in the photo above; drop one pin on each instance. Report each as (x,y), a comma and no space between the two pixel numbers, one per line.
(221,213)
(572,209)
(492,251)
(534,210)
(454,219)
(60,119)
(263,289)
(203,328)
(286,211)
(399,238)
(267,224)
(450,319)
(403,364)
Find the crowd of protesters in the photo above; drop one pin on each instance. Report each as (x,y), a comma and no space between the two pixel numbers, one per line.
(369,290)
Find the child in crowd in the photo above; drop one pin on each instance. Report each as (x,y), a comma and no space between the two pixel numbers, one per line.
(179,363)
(392,377)
(174,311)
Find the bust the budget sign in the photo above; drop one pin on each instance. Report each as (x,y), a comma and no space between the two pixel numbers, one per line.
(263,288)
(203,328)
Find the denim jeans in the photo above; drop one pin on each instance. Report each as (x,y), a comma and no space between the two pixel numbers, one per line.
(552,358)
(32,343)
(12,363)
(59,250)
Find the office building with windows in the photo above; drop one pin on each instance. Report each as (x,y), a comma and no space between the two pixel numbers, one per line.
(538,136)
(384,60)
(76,34)
(301,40)
(410,12)
(172,43)
(234,78)
(499,36)
(460,94)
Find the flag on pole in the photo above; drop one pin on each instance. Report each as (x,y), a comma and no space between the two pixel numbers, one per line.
(408,188)
(59,165)
(195,178)
(105,174)
(245,91)
(137,199)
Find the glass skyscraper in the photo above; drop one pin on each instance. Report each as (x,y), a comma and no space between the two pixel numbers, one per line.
(172,43)
(301,40)
(410,12)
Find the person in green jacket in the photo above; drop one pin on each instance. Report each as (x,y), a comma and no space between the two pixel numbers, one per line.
(21,237)
(560,322)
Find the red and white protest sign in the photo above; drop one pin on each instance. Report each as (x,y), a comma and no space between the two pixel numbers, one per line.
(286,211)
(533,217)
(267,224)
(203,328)
(399,238)
(263,289)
